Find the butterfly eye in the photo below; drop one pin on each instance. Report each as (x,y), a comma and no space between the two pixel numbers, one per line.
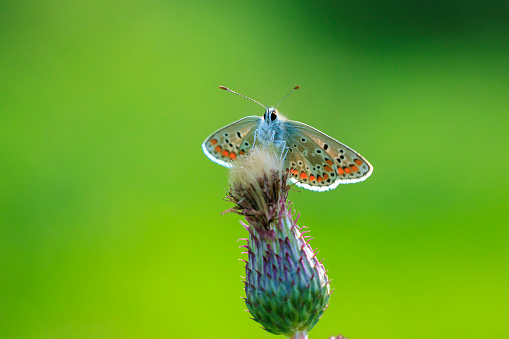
(273,116)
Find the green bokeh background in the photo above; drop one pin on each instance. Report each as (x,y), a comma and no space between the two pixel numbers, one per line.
(110,222)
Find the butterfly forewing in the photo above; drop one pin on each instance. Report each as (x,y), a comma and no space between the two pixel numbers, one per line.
(318,162)
(228,143)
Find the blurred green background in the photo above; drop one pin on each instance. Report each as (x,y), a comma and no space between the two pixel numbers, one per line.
(110,222)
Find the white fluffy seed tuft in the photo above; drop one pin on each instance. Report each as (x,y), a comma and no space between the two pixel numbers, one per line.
(261,161)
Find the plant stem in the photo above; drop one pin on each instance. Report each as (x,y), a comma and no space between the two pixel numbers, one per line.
(300,335)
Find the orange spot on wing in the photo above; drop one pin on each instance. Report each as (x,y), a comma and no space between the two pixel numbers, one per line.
(358,162)
(225,153)
(329,162)
(233,156)
(218,149)
(213,141)
(340,171)
(354,168)
(312,177)
(327,168)
(303,175)
(325,176)
(242,152)
(347,170)
(320,179)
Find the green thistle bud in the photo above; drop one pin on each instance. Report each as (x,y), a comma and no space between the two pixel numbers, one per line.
(287,289)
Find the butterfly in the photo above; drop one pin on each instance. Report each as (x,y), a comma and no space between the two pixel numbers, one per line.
(314,160)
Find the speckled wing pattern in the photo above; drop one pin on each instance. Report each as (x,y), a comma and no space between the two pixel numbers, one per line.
(317,162)
(228,143)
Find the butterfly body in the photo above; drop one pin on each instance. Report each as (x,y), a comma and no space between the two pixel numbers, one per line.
(313,160)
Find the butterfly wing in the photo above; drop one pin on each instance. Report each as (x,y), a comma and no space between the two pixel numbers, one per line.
(317,162)
(227,143)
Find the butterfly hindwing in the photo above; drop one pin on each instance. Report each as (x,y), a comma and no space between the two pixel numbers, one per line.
(227,143)
(318,162)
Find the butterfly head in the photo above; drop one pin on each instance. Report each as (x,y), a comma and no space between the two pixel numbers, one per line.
(271,115)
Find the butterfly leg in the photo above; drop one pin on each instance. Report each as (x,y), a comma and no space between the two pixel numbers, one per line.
(256,137)
(281,144)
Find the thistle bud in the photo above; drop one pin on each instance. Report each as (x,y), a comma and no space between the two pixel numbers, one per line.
(287,289)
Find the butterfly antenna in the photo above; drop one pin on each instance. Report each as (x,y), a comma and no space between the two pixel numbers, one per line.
(296,87)
(229,90)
